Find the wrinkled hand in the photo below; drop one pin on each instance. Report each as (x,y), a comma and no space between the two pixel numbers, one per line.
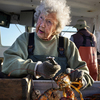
(48,69)
(75,74)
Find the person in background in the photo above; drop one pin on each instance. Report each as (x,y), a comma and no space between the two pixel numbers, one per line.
(87,44)
(52,54)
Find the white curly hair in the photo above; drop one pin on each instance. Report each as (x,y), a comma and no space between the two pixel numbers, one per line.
(60,7)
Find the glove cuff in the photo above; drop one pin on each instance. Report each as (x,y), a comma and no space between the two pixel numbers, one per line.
(84,82)
(35,70)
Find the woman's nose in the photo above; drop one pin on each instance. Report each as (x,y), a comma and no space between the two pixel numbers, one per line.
(42,24)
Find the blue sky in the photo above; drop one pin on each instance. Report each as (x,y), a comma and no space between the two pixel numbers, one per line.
(9,35)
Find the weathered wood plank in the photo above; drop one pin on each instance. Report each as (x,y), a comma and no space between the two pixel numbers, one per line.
(15,89)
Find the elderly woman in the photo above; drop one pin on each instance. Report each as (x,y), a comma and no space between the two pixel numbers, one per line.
(51,17)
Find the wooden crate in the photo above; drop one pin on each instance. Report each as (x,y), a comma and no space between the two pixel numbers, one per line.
(15,89)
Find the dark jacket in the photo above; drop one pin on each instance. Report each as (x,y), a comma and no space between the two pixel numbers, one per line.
(78,38)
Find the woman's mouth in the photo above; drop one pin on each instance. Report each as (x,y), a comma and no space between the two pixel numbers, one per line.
(40,31)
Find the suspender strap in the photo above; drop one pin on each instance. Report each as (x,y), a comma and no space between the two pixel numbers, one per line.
(84,40)
(87,37)
(31,44)
(61,47)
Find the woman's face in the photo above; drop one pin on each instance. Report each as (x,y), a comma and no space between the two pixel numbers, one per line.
(46,25)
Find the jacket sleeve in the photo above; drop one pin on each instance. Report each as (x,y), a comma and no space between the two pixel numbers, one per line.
(75,61)
(15,58)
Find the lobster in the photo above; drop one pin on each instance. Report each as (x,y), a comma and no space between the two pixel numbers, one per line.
(65,85)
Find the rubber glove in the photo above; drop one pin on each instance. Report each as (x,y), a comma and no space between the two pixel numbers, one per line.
(48,69)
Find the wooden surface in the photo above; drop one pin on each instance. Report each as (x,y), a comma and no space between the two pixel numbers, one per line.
(15,89)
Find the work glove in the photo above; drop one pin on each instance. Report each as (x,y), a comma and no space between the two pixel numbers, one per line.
(48,69)
(75,75)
